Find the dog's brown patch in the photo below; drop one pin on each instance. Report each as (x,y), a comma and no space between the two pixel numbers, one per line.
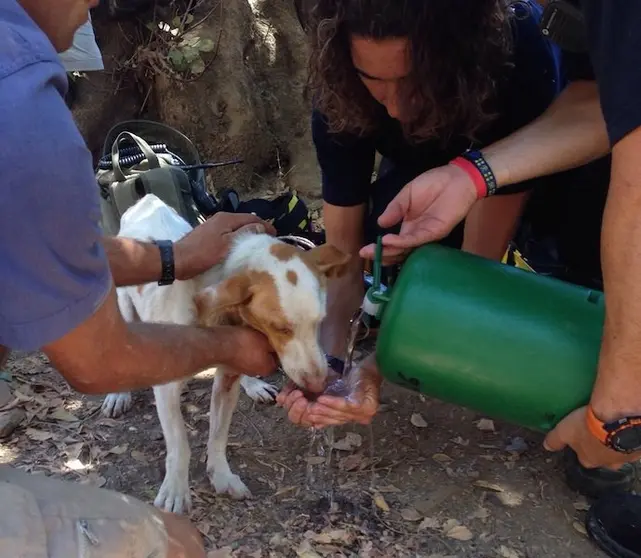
(250,298)
(292,277)
(323,261)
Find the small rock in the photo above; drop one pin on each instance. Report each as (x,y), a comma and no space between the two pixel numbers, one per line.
(487,425)
(505,552)
(517,444)
(418,421)
(581,505)
(10,420)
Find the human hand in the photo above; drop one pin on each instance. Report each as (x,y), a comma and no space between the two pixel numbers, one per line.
(573,431)
(249,352)
(208,244)
(429,206)
(352,399)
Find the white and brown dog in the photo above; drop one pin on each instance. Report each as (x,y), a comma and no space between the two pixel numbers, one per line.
(264,283)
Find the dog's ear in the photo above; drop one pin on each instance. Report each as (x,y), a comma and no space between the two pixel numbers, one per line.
(328,260)
(215,305)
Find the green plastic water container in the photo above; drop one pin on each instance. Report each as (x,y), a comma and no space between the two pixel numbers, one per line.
(502,341)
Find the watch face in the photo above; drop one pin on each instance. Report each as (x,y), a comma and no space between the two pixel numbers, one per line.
(627,440)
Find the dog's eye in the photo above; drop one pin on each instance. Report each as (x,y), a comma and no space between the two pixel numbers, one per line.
(283,330)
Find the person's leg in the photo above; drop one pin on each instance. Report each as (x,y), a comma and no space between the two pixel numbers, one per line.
(56,519)
(491,225)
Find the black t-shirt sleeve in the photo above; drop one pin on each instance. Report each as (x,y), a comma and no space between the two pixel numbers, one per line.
(346,164)
(614,36)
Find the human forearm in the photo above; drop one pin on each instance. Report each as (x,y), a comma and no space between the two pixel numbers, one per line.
(344,229)
(617,391)
(570,133)
(105,354)
(132,262)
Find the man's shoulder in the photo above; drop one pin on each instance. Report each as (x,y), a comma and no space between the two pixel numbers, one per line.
(23,44)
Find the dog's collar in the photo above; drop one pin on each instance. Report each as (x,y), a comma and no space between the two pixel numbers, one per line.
(299,241)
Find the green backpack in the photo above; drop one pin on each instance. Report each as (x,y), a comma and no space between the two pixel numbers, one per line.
(143,157)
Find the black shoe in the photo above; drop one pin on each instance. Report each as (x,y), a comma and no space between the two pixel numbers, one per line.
(595,483)
(614,525)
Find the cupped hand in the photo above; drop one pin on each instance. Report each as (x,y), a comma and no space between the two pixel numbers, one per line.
(573,431)
(208,244)
(428,208)
(354,399)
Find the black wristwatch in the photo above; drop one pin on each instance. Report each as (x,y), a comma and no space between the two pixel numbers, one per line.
(623,435)
(168,274)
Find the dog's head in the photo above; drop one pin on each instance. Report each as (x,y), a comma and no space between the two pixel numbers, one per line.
(280,291)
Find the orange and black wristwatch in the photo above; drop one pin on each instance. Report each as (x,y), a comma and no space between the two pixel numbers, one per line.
(623,435)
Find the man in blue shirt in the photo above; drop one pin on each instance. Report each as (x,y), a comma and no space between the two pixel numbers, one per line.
(57,293)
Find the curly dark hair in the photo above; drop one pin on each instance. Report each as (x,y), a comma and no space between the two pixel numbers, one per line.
(458,50)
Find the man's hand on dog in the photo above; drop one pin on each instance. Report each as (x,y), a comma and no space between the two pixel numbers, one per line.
(352,399)
(208,244)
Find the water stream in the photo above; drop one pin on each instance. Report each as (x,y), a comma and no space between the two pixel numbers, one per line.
(320,474)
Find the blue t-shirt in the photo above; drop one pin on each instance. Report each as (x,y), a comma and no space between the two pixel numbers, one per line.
(54,272)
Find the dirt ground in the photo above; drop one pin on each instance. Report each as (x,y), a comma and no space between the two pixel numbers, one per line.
(439,482)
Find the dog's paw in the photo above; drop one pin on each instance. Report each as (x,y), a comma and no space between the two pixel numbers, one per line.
(116,404)
(230,484)
(174,495)
(259,390)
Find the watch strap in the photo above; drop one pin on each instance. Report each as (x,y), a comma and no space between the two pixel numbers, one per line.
(168,271)
(596,427)
(608,433)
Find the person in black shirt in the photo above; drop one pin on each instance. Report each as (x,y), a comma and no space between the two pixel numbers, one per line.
(588,120)
(419,83)
(597,113)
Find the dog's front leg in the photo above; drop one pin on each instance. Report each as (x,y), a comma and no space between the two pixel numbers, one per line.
(173,495)
(224,397)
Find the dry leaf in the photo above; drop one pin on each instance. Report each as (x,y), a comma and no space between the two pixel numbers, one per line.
(75,465)
(581,505)
(510,499)
(487,425)
(380,502)
(335,535)
(224,552)
(481,513)
(351,462)
(489,486)
(38,435)
(390,488)
(119,450)
(429,523)
(73,451)
(580,528)
(352,440)
(305,550)
(315,459)
(505,552)
(410,514)
(139,456)
(418,421)
(441,458)
(460,533)
(63,415)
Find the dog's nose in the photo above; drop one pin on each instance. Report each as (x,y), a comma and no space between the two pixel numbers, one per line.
(316,378)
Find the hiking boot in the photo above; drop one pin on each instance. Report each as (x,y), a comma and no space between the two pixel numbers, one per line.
(613,523)
(595,483)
